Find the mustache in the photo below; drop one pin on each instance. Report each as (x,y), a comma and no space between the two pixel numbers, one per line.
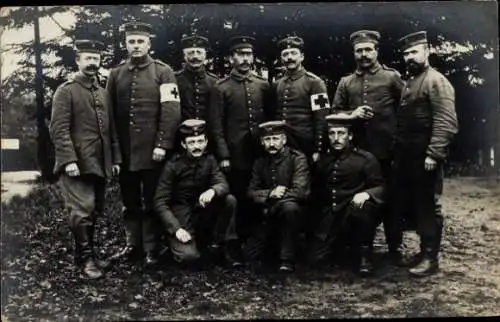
(195,60)
(92,68)
(290,61)
(196,150)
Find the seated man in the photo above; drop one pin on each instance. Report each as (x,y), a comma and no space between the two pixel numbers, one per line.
(280,182)
(348,188)
(193,200)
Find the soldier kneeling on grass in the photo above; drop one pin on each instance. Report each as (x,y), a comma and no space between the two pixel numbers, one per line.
(193,200)
(349,186)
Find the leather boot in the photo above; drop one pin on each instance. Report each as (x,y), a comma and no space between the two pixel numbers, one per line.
(396,256)
(366,265)
(415,259)
(101,263)
(82,239)
(428,266)
(232,253)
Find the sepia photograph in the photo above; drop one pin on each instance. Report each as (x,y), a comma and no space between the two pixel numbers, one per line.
(241,161)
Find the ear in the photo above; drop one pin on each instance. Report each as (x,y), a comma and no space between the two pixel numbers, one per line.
(350,135)
(284,138)
(183,144)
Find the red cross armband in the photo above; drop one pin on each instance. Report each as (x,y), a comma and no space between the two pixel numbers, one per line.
(169,93)
(319,101)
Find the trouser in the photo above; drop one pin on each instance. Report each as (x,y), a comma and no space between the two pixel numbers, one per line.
(84,198)
(415,195)
(141,221)
(239,180)
(354,226)
(280,225)
(216,223)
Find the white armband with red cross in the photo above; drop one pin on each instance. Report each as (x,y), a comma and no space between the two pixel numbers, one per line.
(319,101)
(169,93)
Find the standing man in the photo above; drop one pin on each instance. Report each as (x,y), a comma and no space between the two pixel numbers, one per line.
(349,187)
(279,186)
(427,122)
(239,102)
(86,148)
(370,97)
(301,100)
(195,82)
(193,199)
(146,104)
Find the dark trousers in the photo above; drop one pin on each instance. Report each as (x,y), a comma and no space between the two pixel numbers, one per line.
(84,199)
(281,222)
(141,222)
(216,223)
(415,200)
(354,226)
(239,180)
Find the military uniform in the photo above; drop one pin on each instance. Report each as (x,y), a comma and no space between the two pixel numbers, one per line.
(146,103)
(339,176)
(238,104)
(380,88)
(183,180)
(302,102)
(427,122)
(83,132)
(288,168)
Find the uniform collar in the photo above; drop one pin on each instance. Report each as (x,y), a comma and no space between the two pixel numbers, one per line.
(344,154)
(239,76)
(85,80)
(375,68)
(420,72)
(281,156)
(297,74)
(201,73)
(146,62)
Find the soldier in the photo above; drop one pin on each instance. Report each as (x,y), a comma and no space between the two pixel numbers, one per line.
(301,100)
(349,186)
(427,122)
(146,104)
(87,150)
(239,102)
(370,97)
(195,83)
(192,196)
(279,186)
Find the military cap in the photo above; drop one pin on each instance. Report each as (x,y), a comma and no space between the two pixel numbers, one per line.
(413,39)
(192,127)
(194,41)
(365,36)
(291,42)
(138,28)
(272,127)
(89,46)
(337,120)
(241,42)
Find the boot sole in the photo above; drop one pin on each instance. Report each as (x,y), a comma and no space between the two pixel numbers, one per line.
(429,273)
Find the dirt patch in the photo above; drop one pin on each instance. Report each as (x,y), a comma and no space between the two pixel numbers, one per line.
(39,283)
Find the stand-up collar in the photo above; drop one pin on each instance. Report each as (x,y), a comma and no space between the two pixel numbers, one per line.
(200,73)
(146,61)
(296,74)
(86,81)
(239,76)
(375,68)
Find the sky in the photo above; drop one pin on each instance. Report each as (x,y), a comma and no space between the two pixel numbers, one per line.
(48,30)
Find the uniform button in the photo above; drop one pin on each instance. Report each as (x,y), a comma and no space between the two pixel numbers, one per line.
(365,101)
(366,86)
(364,93)
(133,84)
(249,101)
(334,204)
(197,90)
(366,81)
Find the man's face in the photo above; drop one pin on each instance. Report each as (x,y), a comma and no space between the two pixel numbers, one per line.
(137,45)
(416,57)
(365,54)
(242,59)
(195,57)
(340,137)
(292,58)
(88,63)
(195,145)
(274,143)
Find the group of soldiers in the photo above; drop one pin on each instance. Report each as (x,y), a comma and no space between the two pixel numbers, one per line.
(246,169)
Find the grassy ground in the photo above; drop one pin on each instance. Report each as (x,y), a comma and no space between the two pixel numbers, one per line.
(39,283)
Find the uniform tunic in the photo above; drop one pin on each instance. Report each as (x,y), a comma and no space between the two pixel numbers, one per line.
(380,88)
(143,121)
(296,98)
(194,89)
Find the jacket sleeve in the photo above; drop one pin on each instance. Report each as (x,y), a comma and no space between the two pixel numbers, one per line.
(271,102)
(163,197)
(218,181)
(256,191)
(60,127)
(216,124)
(375,183)
(115,145)
(444,117)
(301,182)
(319,184)
(318,86)
(341,100)
(397,85)
(170,113)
